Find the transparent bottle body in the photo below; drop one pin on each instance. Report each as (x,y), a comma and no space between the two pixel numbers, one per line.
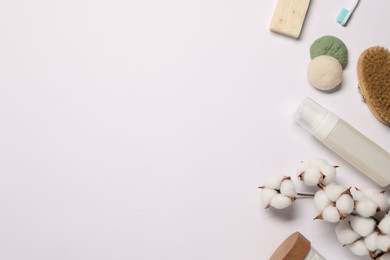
(361,152)
(313,255)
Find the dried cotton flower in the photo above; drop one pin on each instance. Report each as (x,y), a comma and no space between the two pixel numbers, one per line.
(334,202)
(278,192)
(345,234)
(363,226)
(358,248)
(369,201)
(316,171)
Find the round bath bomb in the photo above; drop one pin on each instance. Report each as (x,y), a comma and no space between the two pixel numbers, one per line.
(325,73)
(331,46)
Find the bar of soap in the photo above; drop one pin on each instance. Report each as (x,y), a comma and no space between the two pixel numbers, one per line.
(289,16)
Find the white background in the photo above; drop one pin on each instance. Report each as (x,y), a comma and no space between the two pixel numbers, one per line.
(141,129)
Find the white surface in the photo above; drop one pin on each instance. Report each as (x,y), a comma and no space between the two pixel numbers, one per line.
(141,129)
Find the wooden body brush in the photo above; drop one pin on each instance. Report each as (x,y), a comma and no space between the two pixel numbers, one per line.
(373,70)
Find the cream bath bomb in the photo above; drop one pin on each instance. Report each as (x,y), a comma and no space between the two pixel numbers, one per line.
(325,73)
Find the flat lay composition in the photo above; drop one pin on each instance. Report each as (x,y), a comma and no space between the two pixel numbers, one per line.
(187,130)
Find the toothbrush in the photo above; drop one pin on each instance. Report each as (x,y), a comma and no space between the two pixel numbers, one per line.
(346,12)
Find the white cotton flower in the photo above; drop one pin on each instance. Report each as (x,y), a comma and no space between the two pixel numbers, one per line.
(316,171)
(345,204)
(366,207)
(318,162)
(333,191)
(359,248)
(331,214)
(287,188)
(345,233)
(334,202)
(278,192)
(369,201)
(370,241)
(267,195)
(280,201)
(369,191)
(311,176)
(321,201)
(329,173)
(357,194)
(384,225)
(302,167)
(274,182)
(381,200)
(362,226)
(383,242)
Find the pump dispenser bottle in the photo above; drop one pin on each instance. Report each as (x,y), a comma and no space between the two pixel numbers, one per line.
(344,140)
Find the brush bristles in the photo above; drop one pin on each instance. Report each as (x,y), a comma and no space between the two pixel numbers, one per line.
(374,81)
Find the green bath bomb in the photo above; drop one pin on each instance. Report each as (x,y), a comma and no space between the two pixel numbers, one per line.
(331,46)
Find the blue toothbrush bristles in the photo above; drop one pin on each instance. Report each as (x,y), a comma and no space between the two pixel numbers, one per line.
(346,12)
(341,18)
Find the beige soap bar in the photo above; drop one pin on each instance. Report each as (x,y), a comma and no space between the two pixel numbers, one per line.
(289,16)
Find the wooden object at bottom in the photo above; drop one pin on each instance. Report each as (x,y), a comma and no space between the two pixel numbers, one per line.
(295,247)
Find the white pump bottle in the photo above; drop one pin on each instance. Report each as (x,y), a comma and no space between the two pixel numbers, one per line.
(346,141)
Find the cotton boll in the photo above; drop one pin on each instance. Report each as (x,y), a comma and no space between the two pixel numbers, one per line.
(370,191)
(345,204)
(384,225)
(321,201)
(359,248)
(302,167)
(345,234)
(374,194)
(318,162)
(287,188)
(333,191)
(274,182)
(381,200)
(362,226)
(366,207)
(267,195)
(312,176)
(331,214)
(357,194)
(280,201)
(383,242)
(329,172)
(370,241)
(310,172)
